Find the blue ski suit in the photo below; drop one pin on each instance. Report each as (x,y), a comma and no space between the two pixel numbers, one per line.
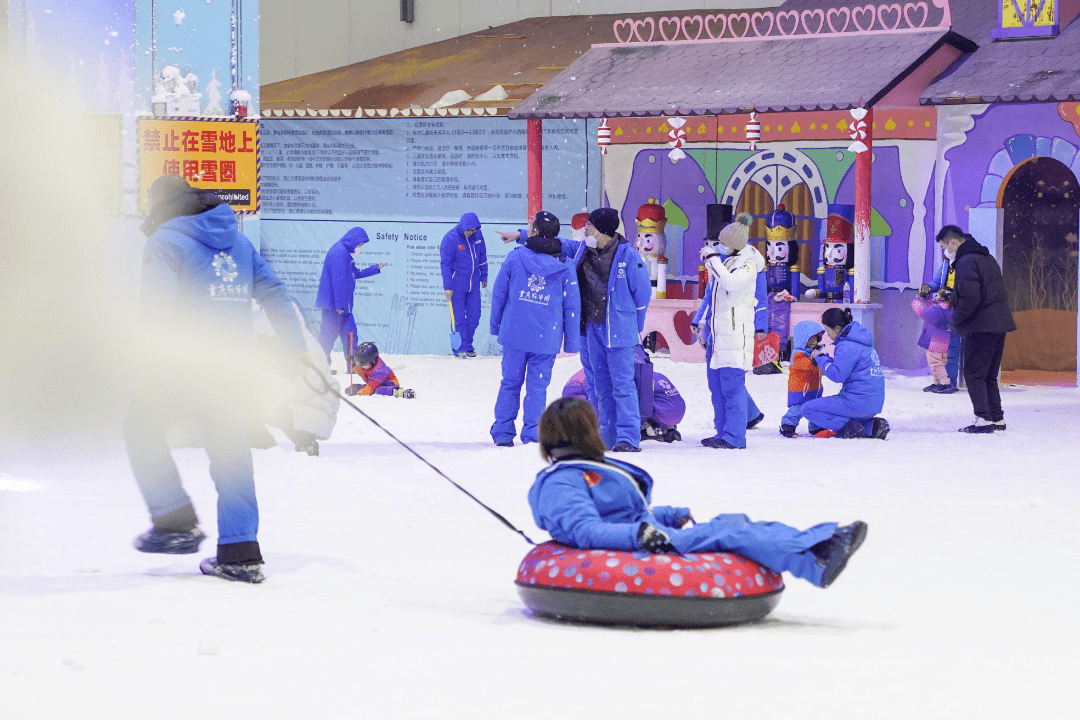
(464,270)
(856,365)
(337,285)
(198,279)
(534,305)
(607,350)
(600,505)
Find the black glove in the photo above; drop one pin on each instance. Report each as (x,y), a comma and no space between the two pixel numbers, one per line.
(652,539)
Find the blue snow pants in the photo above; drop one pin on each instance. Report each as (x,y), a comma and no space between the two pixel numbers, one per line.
(793,415)
(534,371)
(466,307)
(336,325)
(952,359)
(610,375)
(752,410)
(224,424)
(777,546)
(729,400)
(834,412)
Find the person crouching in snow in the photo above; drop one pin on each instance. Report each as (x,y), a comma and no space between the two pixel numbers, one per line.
(662,406)
(804,376)
(377,377)
(851,412)
(535,304)
(732,329)
(935,337)
(587,501)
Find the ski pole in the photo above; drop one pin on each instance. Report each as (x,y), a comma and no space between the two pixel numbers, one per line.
(325,388)
(348,358)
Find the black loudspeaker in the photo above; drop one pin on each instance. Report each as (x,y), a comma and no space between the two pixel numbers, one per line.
(408,10)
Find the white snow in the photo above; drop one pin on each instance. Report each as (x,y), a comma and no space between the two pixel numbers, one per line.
(390,594)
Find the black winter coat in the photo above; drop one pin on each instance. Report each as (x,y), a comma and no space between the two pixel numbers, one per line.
(979,303)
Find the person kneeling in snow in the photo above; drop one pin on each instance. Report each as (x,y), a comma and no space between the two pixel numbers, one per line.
(587,501)
(662,407)
(378,378)
(851,412)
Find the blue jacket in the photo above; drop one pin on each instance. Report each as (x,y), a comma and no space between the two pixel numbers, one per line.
(597,505)
(464,260)
(535,303)
(703,316)
(941,277)
(855,364)
(200,275)
(628,293)
(339,274)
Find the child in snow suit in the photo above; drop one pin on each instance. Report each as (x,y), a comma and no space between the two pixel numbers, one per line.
(942,283)
(336,289)
(377,377)
(535,304)
(935,337)
(854,363)
(804,376)
(588,501)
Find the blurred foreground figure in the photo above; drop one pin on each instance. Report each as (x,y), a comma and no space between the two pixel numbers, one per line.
(199,276)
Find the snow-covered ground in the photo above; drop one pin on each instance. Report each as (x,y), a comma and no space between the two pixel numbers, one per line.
(391,595)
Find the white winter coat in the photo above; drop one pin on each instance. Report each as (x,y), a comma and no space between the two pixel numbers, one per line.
(733,303)
(313,412)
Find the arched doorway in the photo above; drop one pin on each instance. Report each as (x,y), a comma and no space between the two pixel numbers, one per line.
(1040,199)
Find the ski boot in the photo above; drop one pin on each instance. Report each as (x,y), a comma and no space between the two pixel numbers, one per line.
(240,572)
(834,552)
(165,542)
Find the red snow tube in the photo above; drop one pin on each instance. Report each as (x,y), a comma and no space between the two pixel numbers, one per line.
(638,588)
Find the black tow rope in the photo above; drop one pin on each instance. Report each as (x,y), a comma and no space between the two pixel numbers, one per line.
(326,389)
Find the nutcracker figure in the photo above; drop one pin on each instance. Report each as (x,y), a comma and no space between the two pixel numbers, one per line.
(652,241)
(782,273)
(836,275)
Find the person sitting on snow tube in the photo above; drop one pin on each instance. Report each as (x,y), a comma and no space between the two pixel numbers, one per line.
(662,407)
(587,501)
(855,364)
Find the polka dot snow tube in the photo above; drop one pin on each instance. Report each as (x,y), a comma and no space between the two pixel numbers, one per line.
(638,588)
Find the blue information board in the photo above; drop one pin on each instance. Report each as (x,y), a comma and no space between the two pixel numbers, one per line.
(407,182)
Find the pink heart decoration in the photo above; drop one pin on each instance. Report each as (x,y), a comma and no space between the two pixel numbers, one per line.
(882,9)
(701,25)
(669,21)
(820,14)
(624,23)
(638,24)
(856,12)
(909,7)
(761,16)
(794,15)
(709,20)
(838,11)
(742,17)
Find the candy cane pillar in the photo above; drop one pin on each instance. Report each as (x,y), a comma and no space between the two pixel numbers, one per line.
(863,170)
(535,144)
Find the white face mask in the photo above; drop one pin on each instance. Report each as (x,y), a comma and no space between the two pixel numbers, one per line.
(950,254)
(590,241)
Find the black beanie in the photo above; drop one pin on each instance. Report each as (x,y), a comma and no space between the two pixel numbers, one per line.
(546,224)
(606,220)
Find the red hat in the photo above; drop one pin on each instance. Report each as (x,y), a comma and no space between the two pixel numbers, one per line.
(579,220)
(652,211)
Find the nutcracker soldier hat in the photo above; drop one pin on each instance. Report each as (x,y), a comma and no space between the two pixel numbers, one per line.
(716,218)
(651,217)
(839,230)
(780,225)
